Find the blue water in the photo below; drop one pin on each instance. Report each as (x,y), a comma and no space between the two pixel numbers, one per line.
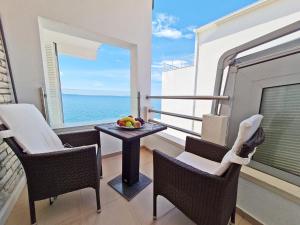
(89,109)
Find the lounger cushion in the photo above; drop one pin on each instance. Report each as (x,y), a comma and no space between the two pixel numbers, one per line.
(199,163)
(29,128)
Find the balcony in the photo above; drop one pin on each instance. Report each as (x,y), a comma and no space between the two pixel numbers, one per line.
(189,163)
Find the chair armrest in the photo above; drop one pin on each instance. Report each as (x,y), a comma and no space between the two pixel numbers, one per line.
(80,138)
(205,149)
(62,171)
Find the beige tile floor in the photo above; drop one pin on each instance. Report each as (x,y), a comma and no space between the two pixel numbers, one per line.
(79,208)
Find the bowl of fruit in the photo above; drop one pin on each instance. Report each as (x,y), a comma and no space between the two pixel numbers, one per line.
(130,123)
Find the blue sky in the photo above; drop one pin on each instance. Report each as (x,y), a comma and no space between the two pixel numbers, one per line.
(109,74)
(173,42)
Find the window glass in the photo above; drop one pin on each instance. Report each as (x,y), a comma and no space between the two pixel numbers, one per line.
(95,90)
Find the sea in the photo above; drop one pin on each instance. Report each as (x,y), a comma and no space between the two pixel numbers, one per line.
(88,109)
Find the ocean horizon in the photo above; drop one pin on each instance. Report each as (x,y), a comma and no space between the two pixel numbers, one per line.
(85,109)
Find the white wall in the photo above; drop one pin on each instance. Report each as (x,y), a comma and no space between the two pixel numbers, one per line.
(267,206)
(215,39)
(98,20)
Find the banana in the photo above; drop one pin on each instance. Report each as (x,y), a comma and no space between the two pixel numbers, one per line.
(128,119)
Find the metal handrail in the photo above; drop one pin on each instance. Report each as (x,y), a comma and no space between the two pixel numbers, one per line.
(187,97)
(176,128)
(176,115)
(199,97)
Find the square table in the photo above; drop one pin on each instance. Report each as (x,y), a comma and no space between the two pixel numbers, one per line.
(131,182)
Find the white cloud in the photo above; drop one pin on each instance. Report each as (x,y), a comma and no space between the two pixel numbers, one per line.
(188,36)
(191,28)
(169,33)
(163,26)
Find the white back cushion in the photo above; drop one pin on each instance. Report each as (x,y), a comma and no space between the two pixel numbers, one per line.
(29,128)
(247,128)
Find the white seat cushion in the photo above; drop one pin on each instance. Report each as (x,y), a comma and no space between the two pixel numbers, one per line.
(199,163)
(29,128)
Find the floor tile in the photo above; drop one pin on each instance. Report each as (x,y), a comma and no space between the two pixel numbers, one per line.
(113,213)
(244,222)
(142,206)
(65,209)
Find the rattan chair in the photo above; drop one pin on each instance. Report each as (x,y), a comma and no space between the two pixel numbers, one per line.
(204,198)
(55,173)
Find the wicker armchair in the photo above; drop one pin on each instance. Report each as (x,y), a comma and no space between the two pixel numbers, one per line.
(55,173)
(204,198)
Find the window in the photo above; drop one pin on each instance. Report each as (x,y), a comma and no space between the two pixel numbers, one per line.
(279,155)
(95,90)
(86,82)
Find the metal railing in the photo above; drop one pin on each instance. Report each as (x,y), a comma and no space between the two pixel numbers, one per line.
(189,97)
(175,115)
(194,118)
(176,128)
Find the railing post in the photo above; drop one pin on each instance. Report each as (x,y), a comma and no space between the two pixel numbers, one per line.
(147,114)
(139,104)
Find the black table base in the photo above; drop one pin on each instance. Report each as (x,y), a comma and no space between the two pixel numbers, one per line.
(131,182)
(130,161)
(129,191)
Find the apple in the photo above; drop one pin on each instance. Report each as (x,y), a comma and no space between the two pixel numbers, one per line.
(137,124)
(122,123)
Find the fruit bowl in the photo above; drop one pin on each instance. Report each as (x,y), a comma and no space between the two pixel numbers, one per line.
(129,128)
(130,123)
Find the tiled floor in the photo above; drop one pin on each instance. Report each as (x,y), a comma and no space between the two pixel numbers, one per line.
(79,208)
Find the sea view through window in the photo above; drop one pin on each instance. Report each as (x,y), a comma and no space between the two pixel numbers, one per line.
(95,90)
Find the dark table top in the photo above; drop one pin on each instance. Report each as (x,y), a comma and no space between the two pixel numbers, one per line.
(129,135)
